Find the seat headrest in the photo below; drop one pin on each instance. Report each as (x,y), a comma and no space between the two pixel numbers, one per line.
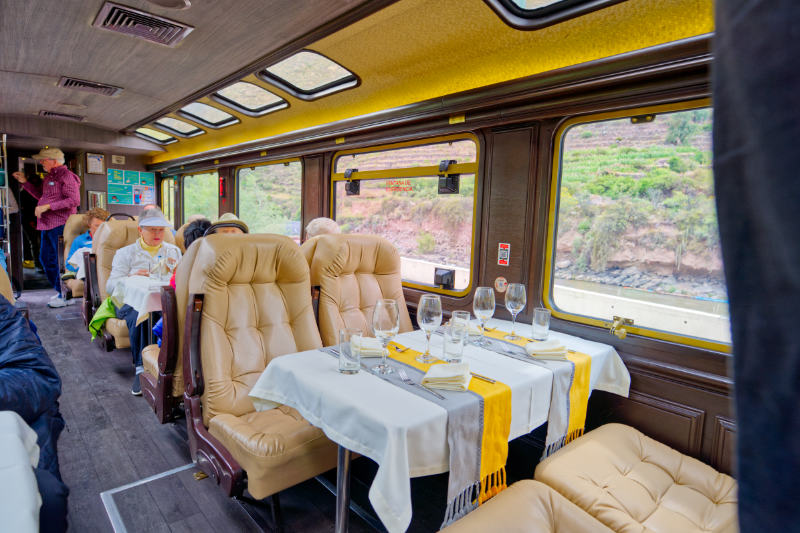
(334,255)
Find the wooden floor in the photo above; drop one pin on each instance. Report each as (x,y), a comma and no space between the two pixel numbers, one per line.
(112,439)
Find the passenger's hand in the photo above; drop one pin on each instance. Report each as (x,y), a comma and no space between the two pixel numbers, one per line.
(41,209)
(141,272)
(20,177)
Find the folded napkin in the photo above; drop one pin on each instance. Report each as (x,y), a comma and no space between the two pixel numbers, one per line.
(366,346)
(549,349)
(452,376)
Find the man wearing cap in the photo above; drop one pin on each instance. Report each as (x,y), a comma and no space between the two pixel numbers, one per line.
(134,260)
(228,223)
(59,196)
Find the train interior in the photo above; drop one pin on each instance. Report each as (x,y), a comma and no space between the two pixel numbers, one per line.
(562,145)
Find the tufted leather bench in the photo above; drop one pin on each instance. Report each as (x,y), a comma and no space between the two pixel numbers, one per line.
(353,272)
(632,483)
(74,226)
(528,506)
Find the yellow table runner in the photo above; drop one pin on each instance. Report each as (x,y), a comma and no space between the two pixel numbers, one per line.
(496,423)
(578,390)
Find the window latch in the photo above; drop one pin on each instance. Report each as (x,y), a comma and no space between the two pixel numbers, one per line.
(352,188)
(617,328)
(448,183)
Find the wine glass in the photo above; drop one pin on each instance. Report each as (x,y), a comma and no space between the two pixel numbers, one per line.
(171,259)
(429,317)
(483,306)
(515,302)
(385,325)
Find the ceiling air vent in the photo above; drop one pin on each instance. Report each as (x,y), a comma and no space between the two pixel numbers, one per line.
(142,25)
(90,86)
(61,116)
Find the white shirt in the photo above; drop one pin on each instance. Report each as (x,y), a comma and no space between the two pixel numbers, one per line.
(129,259)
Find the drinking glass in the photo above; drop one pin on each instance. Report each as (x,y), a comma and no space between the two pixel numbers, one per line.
(483,306)
(429,317)
(461,316)
(385,325)
(515,302)
(156,266)
(541,324)
(455,335)
(171,259)
(349,355)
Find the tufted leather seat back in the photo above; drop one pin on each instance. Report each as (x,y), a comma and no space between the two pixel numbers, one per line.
(112,235)
(74,226)
(631,482)
(179,238)
(353,272)
(257,306)
(5,285)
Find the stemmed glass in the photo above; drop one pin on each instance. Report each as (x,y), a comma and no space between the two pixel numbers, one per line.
(385,324)
(515,302)
(483,306)
(429,317)
(171,258)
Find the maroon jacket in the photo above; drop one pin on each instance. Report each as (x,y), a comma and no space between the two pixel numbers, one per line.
(61,188)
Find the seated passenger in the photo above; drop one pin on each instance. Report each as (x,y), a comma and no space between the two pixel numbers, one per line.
(321,226)
(194,230)
(30,386)
(228,223)
(134,260)
(83,242)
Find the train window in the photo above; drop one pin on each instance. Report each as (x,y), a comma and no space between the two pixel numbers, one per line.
(208,115)
(201,195)
(250,99)
(309,75)
(269,197)
(168,198)
(398,198)
(178,127)
(535,14)
(156,136)
(634,228)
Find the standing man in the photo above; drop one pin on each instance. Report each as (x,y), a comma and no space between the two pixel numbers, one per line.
(59,196)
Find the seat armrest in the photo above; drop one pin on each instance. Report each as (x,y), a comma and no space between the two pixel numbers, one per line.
(168,355)
(91,285)
(192,363)
(61,262)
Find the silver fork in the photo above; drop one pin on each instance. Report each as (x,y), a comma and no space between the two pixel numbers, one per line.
(398,348)
(408,381)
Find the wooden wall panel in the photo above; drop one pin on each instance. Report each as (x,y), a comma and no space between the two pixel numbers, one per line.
(314,189)
(723,454)
(675,424)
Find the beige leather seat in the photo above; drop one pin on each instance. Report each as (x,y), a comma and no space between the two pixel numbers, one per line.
(353,272)
(256,306)
(632,483)
(5,286)
(74,226)
(525,507)
(112,235)
(179,238)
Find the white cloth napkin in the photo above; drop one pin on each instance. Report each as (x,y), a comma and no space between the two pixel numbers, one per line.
(549,349)
(366,346)
(450,376)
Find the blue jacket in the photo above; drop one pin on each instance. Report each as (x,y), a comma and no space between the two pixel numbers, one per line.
(84,240)
(29,383)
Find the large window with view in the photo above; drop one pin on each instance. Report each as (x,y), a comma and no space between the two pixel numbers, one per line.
(168,198)
(200,195)
(635,231)
(399,198)
(269,198)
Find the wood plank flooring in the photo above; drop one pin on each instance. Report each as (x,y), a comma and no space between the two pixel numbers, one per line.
(112,438)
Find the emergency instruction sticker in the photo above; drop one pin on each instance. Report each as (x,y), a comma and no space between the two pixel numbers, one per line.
(503,253)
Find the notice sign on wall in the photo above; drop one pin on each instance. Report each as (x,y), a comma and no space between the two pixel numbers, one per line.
(131,187)
(503,254)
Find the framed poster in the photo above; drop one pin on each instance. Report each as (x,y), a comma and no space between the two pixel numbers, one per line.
(96,199)
(95,163)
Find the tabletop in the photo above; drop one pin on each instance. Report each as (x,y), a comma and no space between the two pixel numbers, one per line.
(140,292)
(403,432)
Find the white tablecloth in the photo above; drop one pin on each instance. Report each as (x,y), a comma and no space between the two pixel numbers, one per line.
(19,494)
(76,260)
(141,293)
(405,433)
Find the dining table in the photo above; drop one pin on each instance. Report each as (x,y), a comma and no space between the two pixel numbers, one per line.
(19,494)
(404,431)
(143,293)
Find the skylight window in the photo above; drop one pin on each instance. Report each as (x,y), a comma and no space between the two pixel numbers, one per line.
(535,14)
(178,127)
(157,136)
(208,115)
(309,75)
(250,99)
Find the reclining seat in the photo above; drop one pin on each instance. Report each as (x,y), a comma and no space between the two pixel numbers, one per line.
(353,272)
(74,226)
(112,235)
(249,302)
(6,290)
(179,238)
(630,482)
(527,506)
